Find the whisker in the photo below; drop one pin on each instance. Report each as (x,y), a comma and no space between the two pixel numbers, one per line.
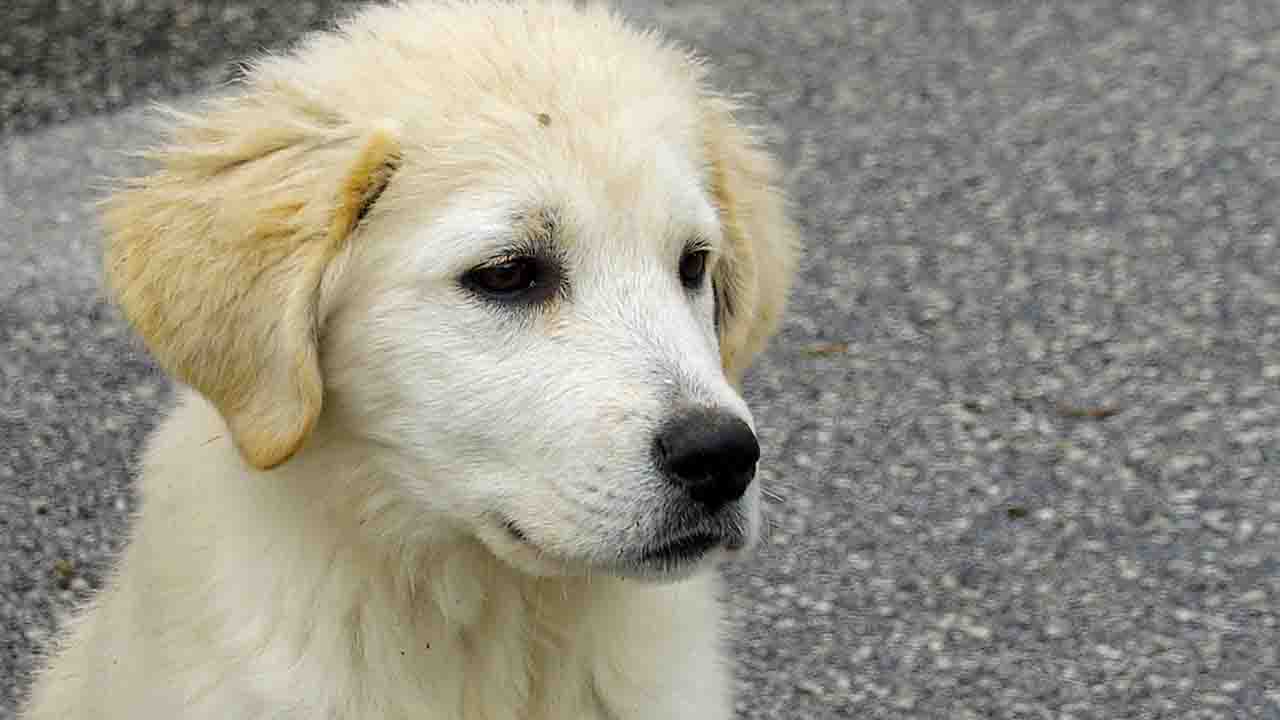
(768,523)
(772,495)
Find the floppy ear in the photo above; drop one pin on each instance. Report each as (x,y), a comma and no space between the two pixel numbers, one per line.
(217,259)
(754,276)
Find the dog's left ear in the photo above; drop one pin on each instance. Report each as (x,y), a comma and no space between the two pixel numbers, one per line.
(217,260)
(754,276)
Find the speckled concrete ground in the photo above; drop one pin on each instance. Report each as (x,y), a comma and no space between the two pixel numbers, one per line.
(1024,418)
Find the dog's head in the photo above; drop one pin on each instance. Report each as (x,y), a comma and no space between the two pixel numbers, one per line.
(519,254)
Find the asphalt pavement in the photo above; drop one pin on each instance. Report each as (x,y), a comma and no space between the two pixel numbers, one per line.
(1022,422)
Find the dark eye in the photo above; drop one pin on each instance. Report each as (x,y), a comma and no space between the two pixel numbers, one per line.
(693,268)
(518,279)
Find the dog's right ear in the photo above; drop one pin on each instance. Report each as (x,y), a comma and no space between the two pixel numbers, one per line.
(217,258)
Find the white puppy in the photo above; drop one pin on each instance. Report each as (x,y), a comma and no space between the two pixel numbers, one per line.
(461,293)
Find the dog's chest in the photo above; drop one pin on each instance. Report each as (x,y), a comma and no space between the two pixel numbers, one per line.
(503,653)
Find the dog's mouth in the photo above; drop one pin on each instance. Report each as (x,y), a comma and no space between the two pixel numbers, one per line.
(514,531)
(681,549)
(667,553)
(678,552)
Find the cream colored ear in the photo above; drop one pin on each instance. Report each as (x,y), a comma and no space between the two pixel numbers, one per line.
(754,277)
(216,260)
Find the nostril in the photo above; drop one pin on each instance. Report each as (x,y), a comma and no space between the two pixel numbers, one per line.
(712,455)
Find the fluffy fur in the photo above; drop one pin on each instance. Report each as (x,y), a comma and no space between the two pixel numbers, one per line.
(382,494)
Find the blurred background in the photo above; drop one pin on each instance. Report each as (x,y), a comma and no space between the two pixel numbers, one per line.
(1023,421)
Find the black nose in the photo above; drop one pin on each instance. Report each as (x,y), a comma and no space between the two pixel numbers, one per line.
(712,455)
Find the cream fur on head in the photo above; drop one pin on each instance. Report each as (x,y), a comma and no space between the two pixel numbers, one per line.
(394,487)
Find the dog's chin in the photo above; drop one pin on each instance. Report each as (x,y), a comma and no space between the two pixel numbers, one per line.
(664,559)
(681,556)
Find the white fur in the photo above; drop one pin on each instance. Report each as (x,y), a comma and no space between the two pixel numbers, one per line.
(375,572)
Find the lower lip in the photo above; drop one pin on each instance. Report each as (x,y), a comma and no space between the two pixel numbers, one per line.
(514,531)
(685,548)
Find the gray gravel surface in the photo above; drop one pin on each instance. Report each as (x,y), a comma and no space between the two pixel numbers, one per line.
(60,59)
(1023,421)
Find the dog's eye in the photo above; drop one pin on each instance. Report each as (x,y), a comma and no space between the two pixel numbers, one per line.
(522,279)
(693,268)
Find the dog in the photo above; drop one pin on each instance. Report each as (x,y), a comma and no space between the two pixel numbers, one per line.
(457,297)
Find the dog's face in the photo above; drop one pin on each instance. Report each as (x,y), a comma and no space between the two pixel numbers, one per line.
(531,320)
(541,353)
